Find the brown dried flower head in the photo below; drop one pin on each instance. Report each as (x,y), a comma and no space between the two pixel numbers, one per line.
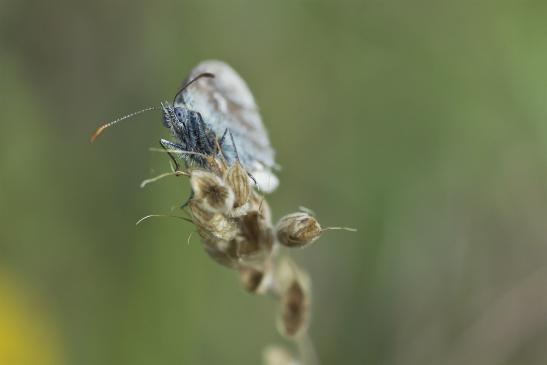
(294,288)
(254,238)
(215,224)
(298,230)
(294,310)
(211,192)
(232,220)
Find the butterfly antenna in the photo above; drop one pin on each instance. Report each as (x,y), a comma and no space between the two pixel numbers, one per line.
(205,74)
(104,126)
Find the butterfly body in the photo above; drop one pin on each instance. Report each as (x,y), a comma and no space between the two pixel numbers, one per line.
(214,119)
(195,139)
(219,111)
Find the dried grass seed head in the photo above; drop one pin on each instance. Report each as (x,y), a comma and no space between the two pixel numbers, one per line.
(211,192)
(259,204)
(254,235)
(236,177)
(214,224)
(298,230)
(294,291)
(294,317)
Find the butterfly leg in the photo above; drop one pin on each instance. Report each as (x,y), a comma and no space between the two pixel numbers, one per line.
(221,140)
(168,146)
(237,155)
(206,137)
(233,144)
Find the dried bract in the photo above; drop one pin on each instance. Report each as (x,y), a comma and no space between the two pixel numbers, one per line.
(214,224)
(298,230)
(294,290)
(220,256)
(254,239)
(211,192)
(259,204)
(237,178)
(294,312)
(257,281)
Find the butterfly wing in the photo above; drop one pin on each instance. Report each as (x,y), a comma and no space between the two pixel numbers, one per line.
(225,102)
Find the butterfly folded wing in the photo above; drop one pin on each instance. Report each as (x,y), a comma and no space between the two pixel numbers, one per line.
(225,102)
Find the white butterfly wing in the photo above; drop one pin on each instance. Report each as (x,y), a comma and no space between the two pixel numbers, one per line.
(225,102)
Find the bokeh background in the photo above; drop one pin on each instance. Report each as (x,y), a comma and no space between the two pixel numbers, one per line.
(421,123)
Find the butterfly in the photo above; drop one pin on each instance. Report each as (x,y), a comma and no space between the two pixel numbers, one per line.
(215,114)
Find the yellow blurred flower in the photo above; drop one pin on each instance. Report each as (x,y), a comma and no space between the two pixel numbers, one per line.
(27,336)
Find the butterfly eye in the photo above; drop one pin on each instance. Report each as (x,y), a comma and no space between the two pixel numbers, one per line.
(179,113)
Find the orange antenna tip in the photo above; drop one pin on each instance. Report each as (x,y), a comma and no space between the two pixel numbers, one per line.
(104,126)
(96,133)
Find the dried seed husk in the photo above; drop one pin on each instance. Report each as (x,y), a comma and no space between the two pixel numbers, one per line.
(216,224)
(251,278)
(293,287)
(222,251)
(236,177)
(259,204)
(256,280)
(294,310)
(222,257)
(211,192)
(254,238)
(200,216)
(298,230)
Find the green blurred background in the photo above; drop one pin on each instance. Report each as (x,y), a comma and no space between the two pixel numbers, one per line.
(421,123)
